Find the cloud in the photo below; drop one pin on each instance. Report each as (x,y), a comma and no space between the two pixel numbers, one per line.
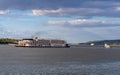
(87,8)
(72,12)
(117,8)
(67,12)
(55,4)
(65,8)
(100,4)
(46,12)
(56,22)
(35,4)
(85,23)
(2,12)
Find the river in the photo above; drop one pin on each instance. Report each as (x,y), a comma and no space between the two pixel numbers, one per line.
(59,61)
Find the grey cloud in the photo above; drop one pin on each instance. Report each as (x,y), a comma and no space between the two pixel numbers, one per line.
(101,4)
(55,4)
(70,8)
(71,12)
(38,4)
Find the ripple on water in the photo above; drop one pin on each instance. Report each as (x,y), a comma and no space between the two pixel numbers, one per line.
(62,69)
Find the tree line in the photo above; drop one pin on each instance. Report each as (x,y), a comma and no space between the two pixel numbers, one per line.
(102,42)
(8,41)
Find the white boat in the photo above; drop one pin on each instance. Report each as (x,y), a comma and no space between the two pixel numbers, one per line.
(92,44)
(106,45)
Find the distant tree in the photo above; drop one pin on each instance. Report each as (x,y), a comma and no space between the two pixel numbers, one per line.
(8,41)
(102,42)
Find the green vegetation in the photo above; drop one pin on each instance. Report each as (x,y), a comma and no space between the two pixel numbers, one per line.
(102,42)
(8,41)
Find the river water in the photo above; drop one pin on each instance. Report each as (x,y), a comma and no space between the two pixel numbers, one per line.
(59,61)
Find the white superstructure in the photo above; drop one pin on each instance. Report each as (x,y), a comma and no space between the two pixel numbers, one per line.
(106,45)
(42,42)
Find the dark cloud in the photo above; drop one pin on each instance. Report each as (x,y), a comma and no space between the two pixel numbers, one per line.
(38,4)
(85,12)
(89,8)
(54,4)
(68,8)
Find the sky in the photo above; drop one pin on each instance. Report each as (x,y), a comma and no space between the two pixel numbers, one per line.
(71,20)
